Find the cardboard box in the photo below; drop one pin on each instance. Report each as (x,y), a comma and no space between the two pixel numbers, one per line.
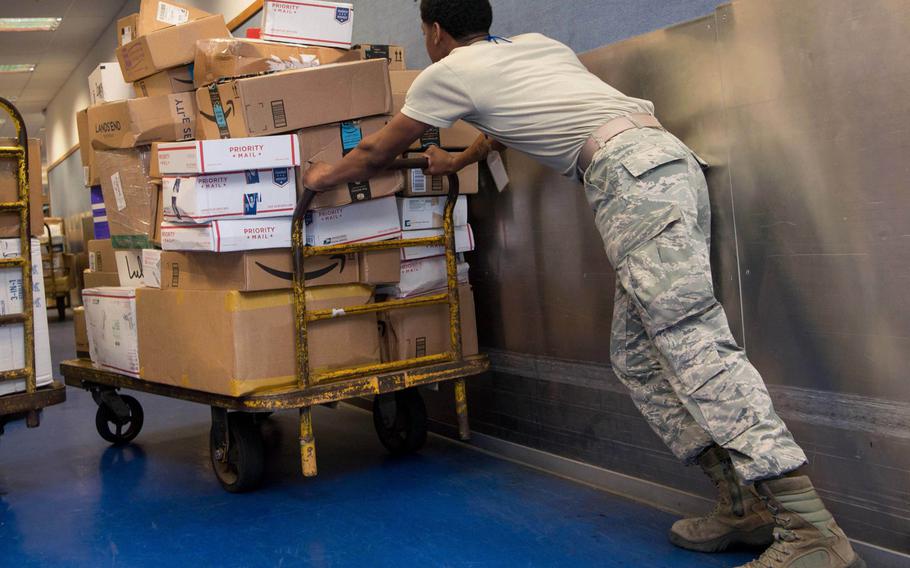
(106,84)
(231,57)
(81,332)
(464,242)
(100,279)
(168,47)
(167,82)
(461,135)
(271,104)
(394,54)
(314,22)
(79,230)
(418,332)
(130,196)
(101,257)
(233,195)
(151,267)
(155,15)
(425,275)
(130,268)
(273,270)
(9,190)
(228,236)
(12,341)
(375,220)
(234,155)
(99,214)
(136,122)
(159,219)
(418,213)
(86,152)
(110,318)
(127,29)
(417,184)
(237,343)
(329,144)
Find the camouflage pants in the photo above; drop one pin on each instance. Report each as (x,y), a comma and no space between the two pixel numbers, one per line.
(671,343)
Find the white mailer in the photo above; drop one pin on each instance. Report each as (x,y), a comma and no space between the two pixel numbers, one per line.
(419,213)
(228,236)
(313,22)
(425,276)
(366,221)
(130,268)
(110,319)
(464,242)
(151,268)
(229,155)
(12,337)
(106,85)
(234,195)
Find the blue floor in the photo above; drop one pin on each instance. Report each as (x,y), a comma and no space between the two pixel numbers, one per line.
(67,499)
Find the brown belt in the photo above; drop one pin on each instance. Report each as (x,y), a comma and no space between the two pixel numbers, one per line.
(609,131)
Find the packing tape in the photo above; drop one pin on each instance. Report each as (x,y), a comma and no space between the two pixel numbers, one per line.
(338,312)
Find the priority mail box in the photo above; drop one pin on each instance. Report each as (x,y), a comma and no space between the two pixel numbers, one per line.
(418,332)
(81,332)
(418,184)
(311,23)
(464,242)
(100,279)
(426,275)
(227,236)
(418,213)
(168,47)
(130,268)
(9,189)
(331,143)
(394,54)
(151,268)
(272,104)
(232,155)
(135,122)
(167,82)
(375,220)
(110,317)
(232,195)
(131,197)
(12,340)
(461,135)
(240,343)
(272,269)
(106,84)
(101,257)
(154,15)
(231,57)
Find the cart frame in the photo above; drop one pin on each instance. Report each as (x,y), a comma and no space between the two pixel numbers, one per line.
(384,381)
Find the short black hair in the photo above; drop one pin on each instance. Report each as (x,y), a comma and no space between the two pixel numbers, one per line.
(461,18)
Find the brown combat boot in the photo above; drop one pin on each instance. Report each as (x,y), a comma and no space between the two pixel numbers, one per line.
(806,535)
(740,517)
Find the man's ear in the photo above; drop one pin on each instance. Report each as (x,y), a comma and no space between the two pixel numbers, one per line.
(437,33)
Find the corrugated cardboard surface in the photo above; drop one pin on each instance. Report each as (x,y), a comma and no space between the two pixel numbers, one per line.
(101,279)
(134,122)
(237,343)
(133,213)
(271,104)
(230,57)
(148,20)
(417,332)
(168,47)
(86,152)
(394,54)
(324,144)
(461,135)
(81,331)
(101,256)
(167,82)
(468,182)
(9,189)
(273,270)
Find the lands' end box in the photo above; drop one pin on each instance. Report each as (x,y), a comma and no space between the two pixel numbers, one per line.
(238,343)
(272,104)
(135,122)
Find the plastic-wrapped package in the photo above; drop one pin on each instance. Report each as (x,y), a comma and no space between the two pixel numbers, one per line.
(130,196)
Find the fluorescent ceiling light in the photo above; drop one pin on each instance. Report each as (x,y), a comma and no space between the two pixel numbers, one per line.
(17,68)
(29,24)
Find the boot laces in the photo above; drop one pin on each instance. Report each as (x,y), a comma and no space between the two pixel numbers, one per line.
(776,554)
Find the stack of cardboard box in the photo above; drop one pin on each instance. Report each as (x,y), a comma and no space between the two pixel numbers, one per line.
(199,207)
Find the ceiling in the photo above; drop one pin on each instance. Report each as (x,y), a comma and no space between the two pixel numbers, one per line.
(55,53)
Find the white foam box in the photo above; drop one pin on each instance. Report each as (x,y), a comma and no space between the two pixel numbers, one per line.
(374,220)
(110,319)
(418,213)
(228,236)
(313,22)
(228,155)
(130,268)
(464,242)
(106,85)
(425,276)
(233,195)
(12,337)
(151,268)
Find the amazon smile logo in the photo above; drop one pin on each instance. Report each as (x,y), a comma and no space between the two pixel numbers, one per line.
(229,108)
(340,260)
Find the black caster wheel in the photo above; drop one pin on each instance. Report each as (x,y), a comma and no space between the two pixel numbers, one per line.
(61,308)
(119,430)
(240,468)
(400,420)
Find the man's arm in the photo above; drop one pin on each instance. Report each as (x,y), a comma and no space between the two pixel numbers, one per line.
(444,163)
(371,156)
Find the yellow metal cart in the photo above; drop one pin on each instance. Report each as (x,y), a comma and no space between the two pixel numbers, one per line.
(26,404)
(399,415)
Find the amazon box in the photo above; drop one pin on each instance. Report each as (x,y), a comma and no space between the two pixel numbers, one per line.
(155,15)
(9,189)
(271,104)
(231,57)
(167,82)
(241,343)
(130,196)
(234,155)
(135,122)
(330,143)
(228,235)
(101,257)
(230,195)
(418,332)
(418,184)
(460,136)
(272,269)
(394,54)
(168,47)
(310,23)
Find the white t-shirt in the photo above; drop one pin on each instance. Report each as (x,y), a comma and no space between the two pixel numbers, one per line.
(530,93)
